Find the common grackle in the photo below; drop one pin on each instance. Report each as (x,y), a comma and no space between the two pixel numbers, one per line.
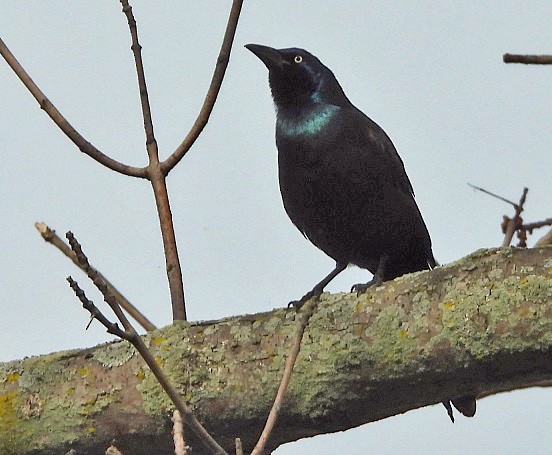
(342,181)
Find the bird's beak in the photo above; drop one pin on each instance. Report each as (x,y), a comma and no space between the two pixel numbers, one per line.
(272,58)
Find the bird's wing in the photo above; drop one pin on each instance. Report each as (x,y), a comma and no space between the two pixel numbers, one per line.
(374,140)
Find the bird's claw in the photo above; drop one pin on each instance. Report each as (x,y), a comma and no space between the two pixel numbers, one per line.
(361,288)
(297,304)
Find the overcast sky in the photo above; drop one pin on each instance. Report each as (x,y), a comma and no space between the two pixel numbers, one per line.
(430,73)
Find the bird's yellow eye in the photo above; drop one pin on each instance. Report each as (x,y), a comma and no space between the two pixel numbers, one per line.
(298,59)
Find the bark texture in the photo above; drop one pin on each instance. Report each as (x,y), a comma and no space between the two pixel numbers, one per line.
(479,326)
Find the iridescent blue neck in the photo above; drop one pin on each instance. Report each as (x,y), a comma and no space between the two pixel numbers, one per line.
(308,122)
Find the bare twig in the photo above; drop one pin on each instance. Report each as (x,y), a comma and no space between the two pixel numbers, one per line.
(112,450)
(528,59)
(151,143)
(239,447)
(515,222)
(132,336)
(45,104)
(50,236)
(212,92)
(537,224)
(306,314)
(492,194)
(180,447)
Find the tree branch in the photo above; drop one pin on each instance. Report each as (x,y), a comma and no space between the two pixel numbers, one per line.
(304,318)
(478,326)
(129,334)
(528,59)
(151,143)
(50,236)
(514,223)
(212,92)
(45,104)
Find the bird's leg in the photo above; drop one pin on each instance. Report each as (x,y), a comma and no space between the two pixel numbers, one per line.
(359,288)
(319,288)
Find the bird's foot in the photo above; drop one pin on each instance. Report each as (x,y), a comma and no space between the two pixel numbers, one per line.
(297,304)
(360,288)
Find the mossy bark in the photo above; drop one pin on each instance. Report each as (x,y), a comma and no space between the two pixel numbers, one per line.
(479,326)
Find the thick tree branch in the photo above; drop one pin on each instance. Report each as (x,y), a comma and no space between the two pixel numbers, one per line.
(83,145)
(479,326)
(212,92)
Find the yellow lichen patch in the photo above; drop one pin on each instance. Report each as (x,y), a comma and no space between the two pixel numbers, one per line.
(158,340)
(85,372)
(449,305)
(160,361)
(8,413)
(359,307)
(403,333)
(141,375)
(524,312)
(13,377)
(523,282)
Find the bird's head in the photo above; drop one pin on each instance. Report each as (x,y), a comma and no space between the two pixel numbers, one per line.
(297,78)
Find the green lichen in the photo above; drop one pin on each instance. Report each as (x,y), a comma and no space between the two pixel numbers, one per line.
(115,354)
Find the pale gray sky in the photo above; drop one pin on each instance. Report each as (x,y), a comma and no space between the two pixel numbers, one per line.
(431,74)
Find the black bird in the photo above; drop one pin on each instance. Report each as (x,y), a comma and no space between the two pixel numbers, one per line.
(342,181)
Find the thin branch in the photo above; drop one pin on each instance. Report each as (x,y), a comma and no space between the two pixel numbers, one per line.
(45,104)
(515,223)
(306,314)
(50,236)
(180,446)
(528,59)
(151,143)
(536,225)
(492,194)
(239,447)
(112,450)
(130,334)
(157,178)
(212,92)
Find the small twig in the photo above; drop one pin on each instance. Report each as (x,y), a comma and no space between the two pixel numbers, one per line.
(492,194)
(528,59)
(50,236)
(132,336)
(516,221)
(239,447)
(112,450)
(212,92)
(306,314)
(151,143)
(45,104)
(95,313)
(537,224)
(180,447)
